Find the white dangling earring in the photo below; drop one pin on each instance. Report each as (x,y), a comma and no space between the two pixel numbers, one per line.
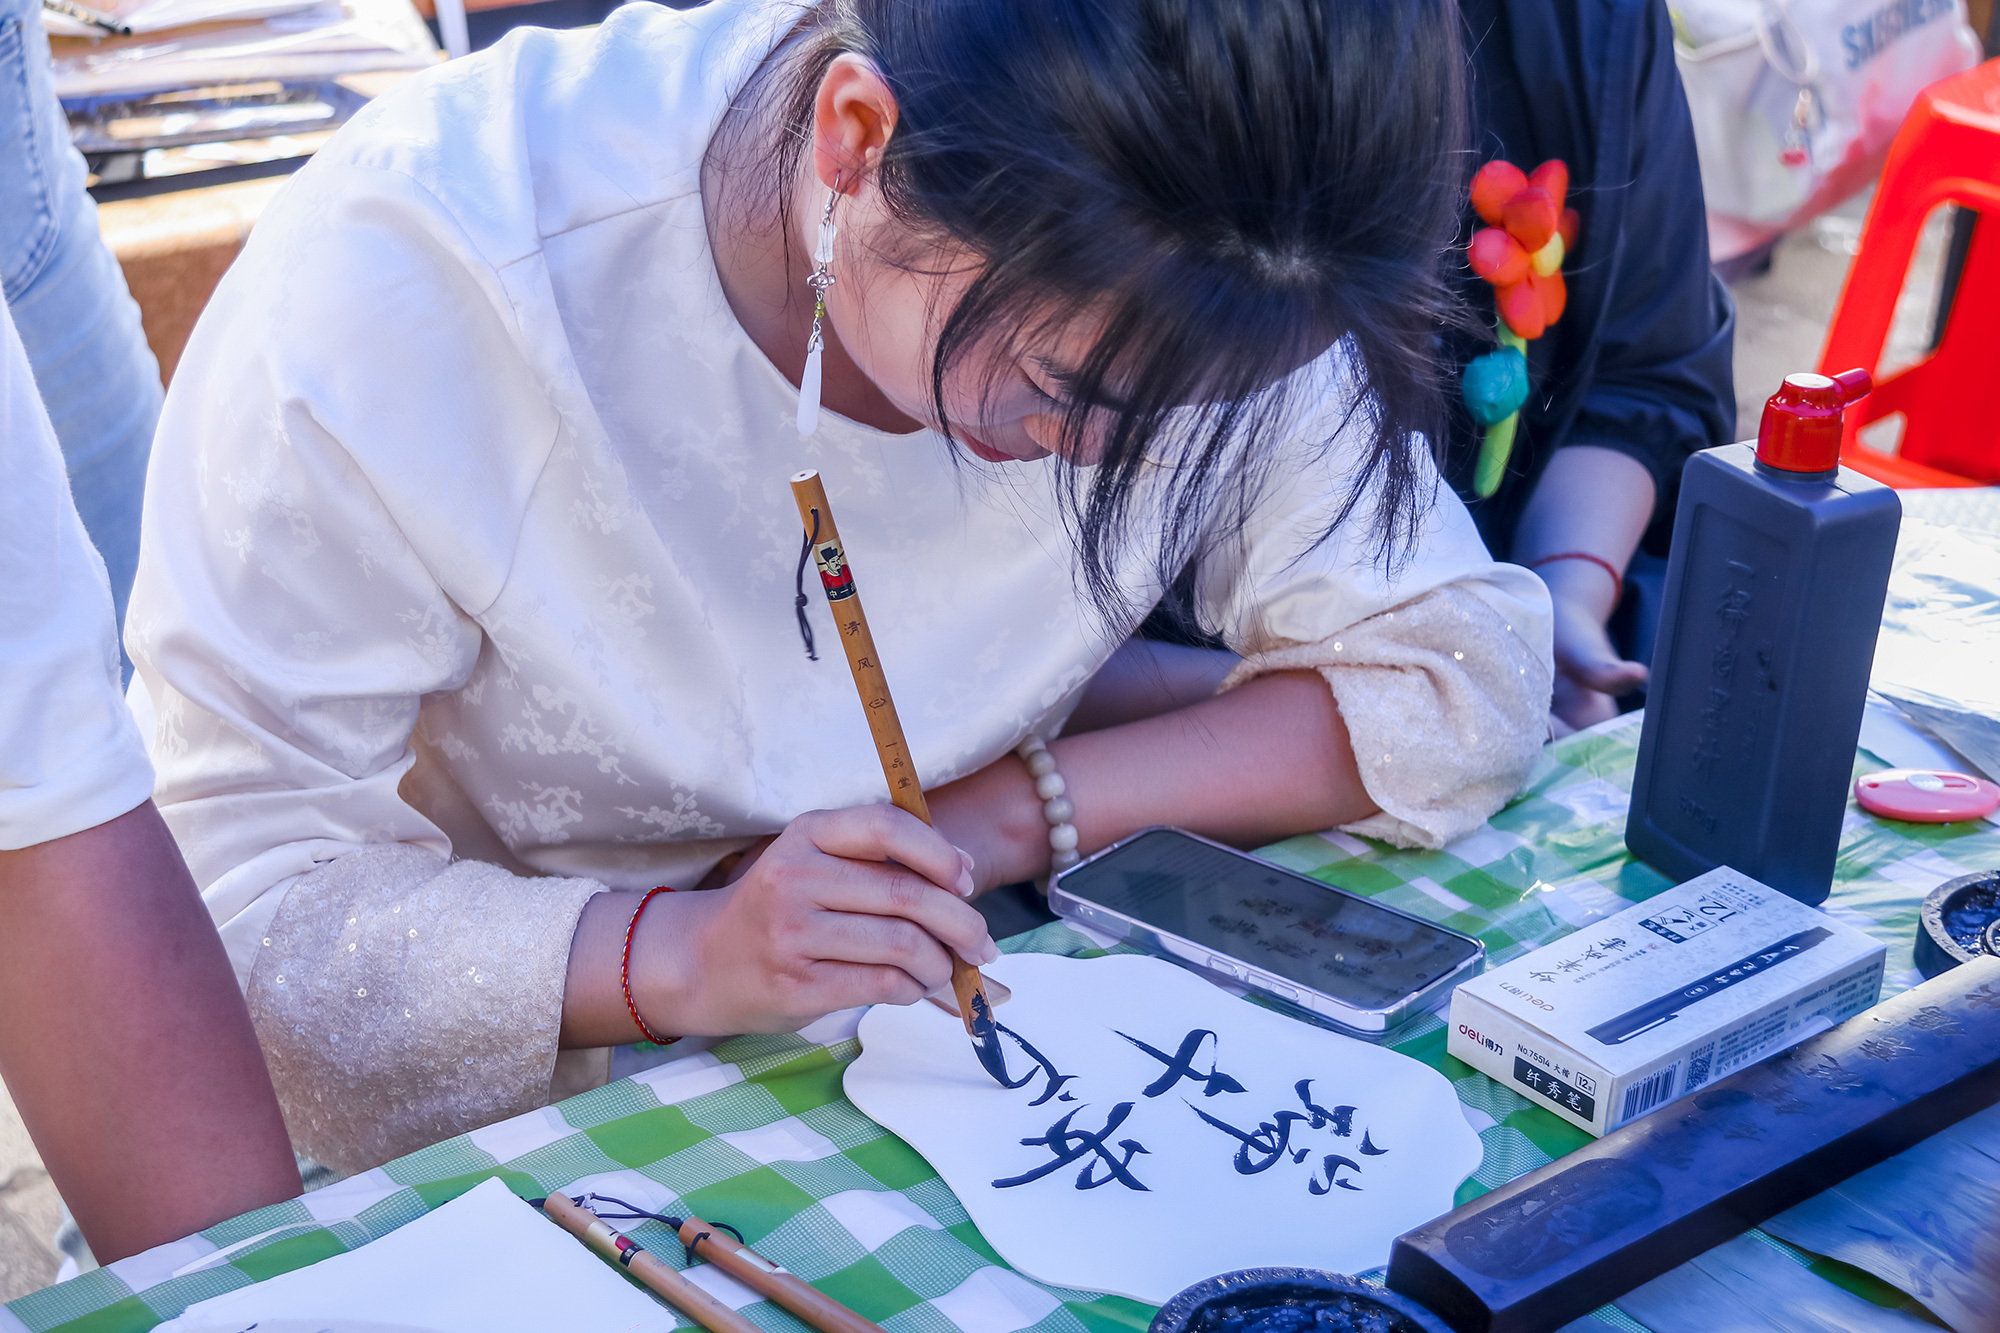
(821,279)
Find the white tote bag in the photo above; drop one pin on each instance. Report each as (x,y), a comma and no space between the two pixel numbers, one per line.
(1795,101)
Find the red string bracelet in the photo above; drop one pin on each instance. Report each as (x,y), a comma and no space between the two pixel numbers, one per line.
(625,969)
(1617,579)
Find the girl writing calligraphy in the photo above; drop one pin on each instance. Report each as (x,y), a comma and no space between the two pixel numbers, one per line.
(468,602)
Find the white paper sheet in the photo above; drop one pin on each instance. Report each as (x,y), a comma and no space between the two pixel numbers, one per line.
(1940,638)
(484,1263)
(1894,737)
(1242,1139)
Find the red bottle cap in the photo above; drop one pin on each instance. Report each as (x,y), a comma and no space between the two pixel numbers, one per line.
(1800,431)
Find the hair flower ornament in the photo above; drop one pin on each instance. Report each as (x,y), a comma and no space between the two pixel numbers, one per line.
(1520,251)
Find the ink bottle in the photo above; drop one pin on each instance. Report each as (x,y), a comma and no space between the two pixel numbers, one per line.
(1775,583)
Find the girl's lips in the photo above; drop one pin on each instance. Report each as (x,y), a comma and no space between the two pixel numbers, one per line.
(981,450)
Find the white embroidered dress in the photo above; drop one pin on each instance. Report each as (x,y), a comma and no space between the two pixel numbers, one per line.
(468,470)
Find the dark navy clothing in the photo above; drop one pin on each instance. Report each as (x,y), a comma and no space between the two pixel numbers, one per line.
(1640,361)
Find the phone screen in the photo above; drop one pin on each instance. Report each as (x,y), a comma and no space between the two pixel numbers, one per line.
(1314,934)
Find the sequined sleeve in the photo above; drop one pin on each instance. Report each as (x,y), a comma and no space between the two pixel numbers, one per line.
(402,1000)
(1446,705)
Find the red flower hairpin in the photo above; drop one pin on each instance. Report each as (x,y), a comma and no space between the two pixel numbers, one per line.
(1520,251)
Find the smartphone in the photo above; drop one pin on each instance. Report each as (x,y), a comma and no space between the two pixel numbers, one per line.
(1351,964)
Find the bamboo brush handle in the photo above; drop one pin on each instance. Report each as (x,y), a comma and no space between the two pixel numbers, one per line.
(851,623)
(813,1307)
(657,1274)
(837,578)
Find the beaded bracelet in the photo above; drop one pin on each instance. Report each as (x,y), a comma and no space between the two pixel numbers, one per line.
(625,969)
(1056,806)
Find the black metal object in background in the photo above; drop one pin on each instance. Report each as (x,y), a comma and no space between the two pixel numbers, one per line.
(115,131)
(124,180)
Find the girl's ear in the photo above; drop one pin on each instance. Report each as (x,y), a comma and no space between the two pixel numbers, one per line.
(853,117)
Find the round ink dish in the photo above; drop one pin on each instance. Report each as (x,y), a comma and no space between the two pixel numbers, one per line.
(1291,1300)
(1957,915)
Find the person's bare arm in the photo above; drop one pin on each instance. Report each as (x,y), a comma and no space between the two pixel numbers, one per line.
(1264,761)
(125,1044)
(1597,501)
(1145,678)
(860,906)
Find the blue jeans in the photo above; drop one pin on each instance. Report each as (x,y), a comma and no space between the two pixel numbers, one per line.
(68,297)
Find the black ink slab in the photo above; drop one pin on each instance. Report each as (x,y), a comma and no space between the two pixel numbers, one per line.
(1585,1229)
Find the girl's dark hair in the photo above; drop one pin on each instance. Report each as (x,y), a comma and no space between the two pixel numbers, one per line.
(1228,186)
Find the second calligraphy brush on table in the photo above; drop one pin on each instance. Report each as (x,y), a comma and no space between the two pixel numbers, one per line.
(715,1245)
(905,790)
(810,1305)
(658,1275)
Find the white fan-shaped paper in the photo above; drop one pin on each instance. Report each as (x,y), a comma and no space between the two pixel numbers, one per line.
(1220,1159)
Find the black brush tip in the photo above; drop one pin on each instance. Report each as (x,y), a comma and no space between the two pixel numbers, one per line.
(986,1041)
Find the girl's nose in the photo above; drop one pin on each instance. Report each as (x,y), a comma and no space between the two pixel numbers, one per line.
(1045,430)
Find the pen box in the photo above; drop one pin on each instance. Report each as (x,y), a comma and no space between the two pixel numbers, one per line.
(1628,1013)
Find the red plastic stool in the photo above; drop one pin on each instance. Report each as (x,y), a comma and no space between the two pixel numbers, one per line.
(1948,151)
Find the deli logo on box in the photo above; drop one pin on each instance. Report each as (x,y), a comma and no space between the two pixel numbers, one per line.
(1479,1039)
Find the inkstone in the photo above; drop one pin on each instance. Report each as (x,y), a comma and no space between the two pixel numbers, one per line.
(1558,1243)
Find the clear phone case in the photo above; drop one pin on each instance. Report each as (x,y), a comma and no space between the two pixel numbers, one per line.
(1375,1023)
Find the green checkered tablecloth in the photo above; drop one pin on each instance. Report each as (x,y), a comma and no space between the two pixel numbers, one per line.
(756,1132)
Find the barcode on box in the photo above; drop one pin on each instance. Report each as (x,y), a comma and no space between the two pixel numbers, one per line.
(1698,1066)
(1649,1092)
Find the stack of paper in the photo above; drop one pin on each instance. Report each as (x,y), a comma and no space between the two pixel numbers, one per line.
(193,43)
(159,15)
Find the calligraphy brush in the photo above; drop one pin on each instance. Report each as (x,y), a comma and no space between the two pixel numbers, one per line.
(657,1274)
(726,1251)
(837,577)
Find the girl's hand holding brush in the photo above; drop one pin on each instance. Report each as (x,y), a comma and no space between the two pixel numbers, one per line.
(846,907)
